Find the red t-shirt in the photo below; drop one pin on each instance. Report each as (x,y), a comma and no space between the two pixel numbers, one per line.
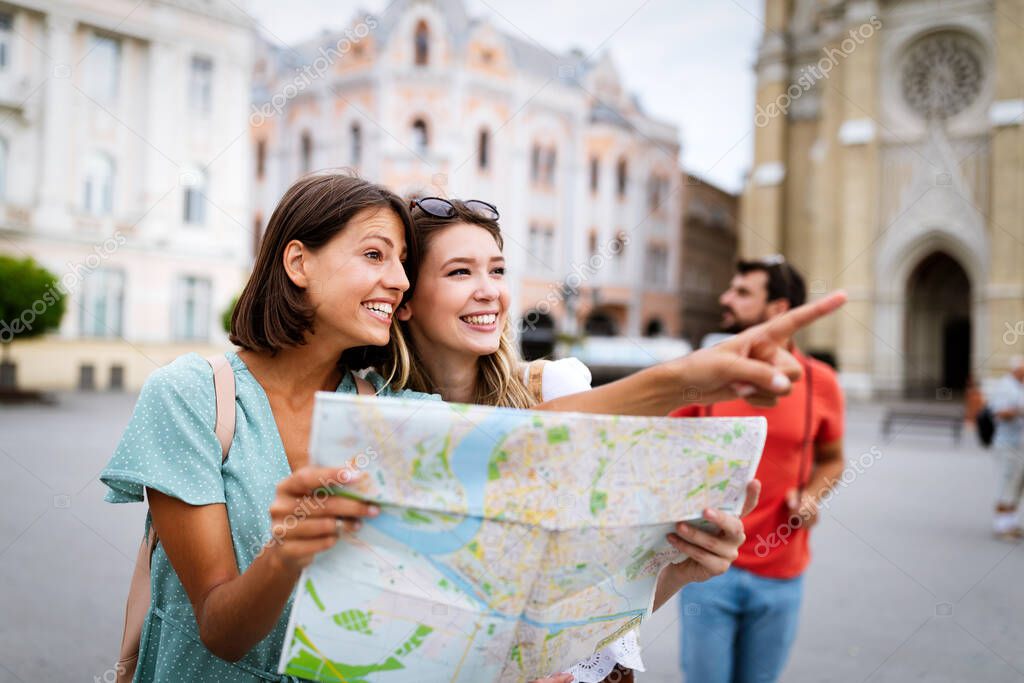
(775,547)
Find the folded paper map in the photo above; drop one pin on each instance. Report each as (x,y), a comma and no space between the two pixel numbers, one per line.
(510,544)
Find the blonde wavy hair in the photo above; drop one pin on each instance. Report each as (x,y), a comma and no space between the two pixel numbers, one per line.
(499,379)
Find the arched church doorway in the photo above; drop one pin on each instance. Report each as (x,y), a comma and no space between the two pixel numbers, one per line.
(938,327)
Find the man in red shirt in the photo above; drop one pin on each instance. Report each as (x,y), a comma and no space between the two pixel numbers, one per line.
(739,627)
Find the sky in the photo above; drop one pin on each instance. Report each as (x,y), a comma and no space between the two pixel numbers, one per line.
(689,61)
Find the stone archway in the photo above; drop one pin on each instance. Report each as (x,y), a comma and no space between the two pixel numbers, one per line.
(600,324)
(898,258)
(937,326)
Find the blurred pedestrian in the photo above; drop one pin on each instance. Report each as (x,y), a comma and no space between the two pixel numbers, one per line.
(1007,405)
(739,627)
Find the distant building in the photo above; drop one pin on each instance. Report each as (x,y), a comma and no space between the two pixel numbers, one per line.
(710,224)
(889,161)
(123,129)
(430,101)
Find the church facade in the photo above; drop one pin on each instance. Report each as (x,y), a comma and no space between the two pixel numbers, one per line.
(889,161)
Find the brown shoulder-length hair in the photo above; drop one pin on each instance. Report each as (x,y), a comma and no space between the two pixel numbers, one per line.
(499,380)
(272,311)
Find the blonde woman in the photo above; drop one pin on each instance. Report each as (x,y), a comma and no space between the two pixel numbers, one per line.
(456,329)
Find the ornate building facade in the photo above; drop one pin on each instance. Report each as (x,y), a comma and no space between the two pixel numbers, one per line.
(430,101)
(889,160)
(122,145)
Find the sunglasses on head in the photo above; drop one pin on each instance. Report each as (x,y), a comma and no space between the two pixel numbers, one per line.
(442,208)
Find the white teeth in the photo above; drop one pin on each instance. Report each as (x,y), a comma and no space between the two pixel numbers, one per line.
(379,307)
(488,319)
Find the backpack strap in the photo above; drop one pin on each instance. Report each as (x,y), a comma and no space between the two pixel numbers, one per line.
(135,610)
(363,386)
(224,391)
(535,379)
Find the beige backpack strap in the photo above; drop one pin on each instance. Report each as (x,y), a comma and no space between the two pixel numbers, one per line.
(224,390)
(135,611)
(363,387)
(535,380)
(139,596)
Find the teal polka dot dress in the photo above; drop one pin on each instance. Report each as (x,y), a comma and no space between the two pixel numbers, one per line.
(170,445)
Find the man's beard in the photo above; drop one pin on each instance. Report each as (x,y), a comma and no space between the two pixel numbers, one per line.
(737,325)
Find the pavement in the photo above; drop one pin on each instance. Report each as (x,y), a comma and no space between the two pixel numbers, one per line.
(907,583)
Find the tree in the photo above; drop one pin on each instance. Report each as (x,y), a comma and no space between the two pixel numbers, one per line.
(31,303)
(225,317)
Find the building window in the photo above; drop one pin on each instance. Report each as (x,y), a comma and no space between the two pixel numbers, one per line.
(261,159)
(192,310)
(306,152)
(654,328)
(657,190)
(420,136)
(195,197)
(200,86)
(6,40)
(618,247)
(942,75)
(3,168)
(595,174)
(98,189)
(621,178)
(541,245)
(550,163)
(656,267)
(483,150)
(102,303)
(535,164)
(422,44)
(543,161)
(103,67)
(356,144)
(540,242)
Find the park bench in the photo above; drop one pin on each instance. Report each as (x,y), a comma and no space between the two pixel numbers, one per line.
(925,415)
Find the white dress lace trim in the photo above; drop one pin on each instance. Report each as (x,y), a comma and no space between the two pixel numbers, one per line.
(624,651)
(561,378)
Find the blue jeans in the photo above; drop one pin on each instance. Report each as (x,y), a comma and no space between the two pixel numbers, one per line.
(739,627)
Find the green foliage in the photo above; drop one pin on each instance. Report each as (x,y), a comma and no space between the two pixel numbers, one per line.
(225,317)
(31,304)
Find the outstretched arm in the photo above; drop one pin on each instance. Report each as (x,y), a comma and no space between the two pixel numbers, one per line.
(754,365)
